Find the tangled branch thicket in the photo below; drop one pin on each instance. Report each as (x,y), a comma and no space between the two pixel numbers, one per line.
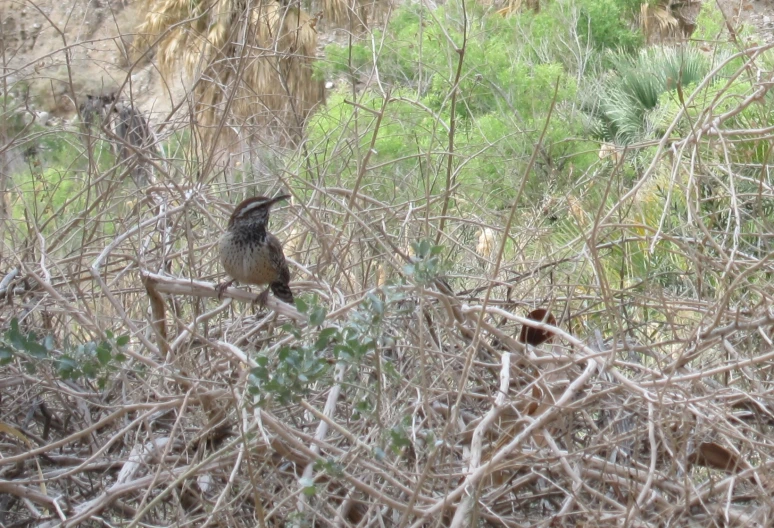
(397,394)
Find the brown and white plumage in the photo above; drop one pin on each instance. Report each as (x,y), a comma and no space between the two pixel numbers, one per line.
(252,255)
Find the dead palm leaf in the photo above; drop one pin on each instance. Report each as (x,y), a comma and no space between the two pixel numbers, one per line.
(263,55)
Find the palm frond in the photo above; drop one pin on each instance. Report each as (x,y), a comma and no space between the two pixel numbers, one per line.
(634,92)
(276,90)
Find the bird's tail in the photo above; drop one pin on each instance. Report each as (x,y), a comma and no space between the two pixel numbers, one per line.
(282,292)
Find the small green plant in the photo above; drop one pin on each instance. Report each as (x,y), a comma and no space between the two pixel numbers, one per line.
(632,93)
(398,436)
(426,263)
(605,23)
(93,359)
(28,347)
(90,360)
(298,366)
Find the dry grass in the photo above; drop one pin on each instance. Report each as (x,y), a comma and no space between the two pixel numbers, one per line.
(649,409)
(354,16)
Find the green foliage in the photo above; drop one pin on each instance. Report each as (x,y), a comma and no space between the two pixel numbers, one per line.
(399,439)
(305,364)
(607,24)
(635,88)
(710,23)
(330,466)
(426,264)
(90,360)
(711,27)
(503,98)
(298,366)
(28,347)
(12,116)
(56,174)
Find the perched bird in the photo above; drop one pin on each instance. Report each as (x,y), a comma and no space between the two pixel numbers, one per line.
(252,255)
(535,336)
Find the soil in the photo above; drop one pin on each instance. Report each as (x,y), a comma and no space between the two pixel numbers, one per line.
(757,13)
(97,35)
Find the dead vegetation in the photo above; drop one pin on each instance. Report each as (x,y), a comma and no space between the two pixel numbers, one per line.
(400,396)
(251,66)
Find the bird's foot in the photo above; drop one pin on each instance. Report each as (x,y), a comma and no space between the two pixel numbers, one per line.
(262,297)
(221,288)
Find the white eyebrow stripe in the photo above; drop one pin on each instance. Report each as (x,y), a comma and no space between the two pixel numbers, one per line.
(251,206)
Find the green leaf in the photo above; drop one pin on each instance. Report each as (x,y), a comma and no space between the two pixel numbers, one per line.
(37,350)
(15,337)
(317,316)
(259,374)
(89,369)
(398,439)
(308,486)
(262,361)
(122,340)
(342,352)
(325,337)
(6,355)
(67,367)
(376,303)
(103,354)
(301,306)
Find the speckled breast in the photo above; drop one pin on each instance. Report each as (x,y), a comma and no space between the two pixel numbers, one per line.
(249,263)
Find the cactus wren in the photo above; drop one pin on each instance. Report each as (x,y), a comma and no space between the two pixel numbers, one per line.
(250,254)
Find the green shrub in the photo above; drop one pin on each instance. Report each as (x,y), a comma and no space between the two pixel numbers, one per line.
(503,98)
(638,82)
(609,24)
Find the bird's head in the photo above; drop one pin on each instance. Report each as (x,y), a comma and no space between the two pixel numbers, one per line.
(254,210)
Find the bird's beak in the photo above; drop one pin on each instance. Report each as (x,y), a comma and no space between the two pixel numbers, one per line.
(278,199)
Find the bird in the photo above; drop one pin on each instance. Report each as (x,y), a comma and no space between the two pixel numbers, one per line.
(536,336)
(252,255)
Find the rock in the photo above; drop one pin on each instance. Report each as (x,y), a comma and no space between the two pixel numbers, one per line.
(329,85)
(43,117)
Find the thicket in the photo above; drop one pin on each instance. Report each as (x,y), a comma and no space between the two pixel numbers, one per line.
(466,168)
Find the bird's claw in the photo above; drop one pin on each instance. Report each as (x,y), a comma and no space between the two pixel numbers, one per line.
(221,288)
(262,297)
